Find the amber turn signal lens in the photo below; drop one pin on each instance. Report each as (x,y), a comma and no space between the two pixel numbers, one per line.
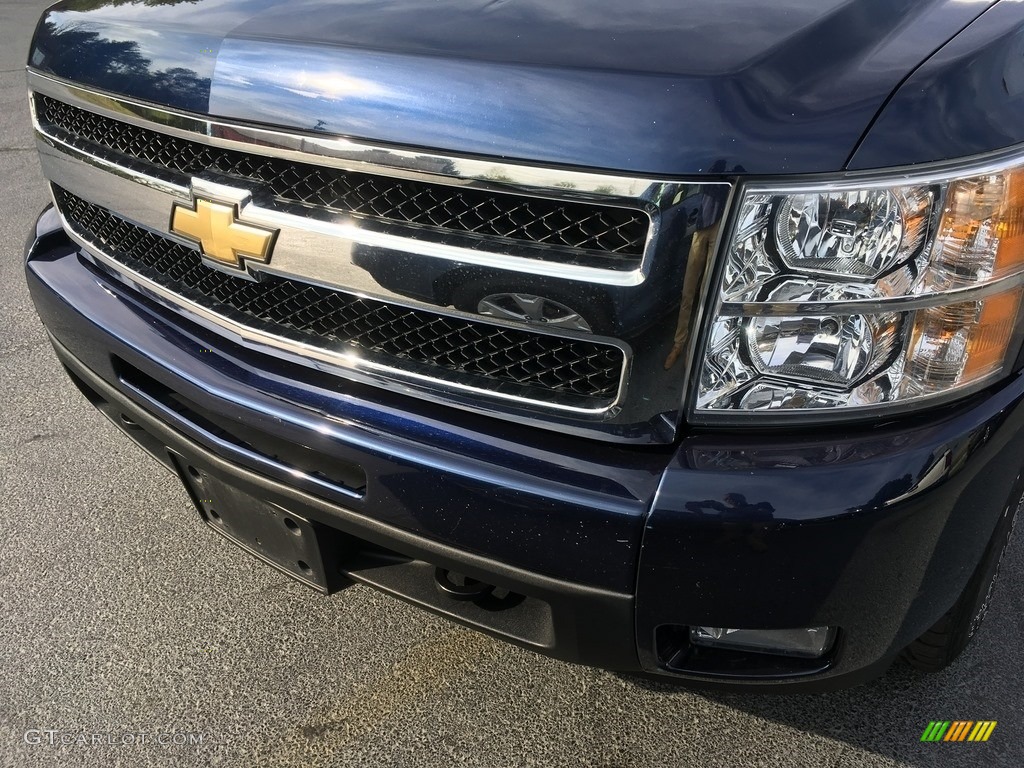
(1010,227)
(991,335)
(960,343)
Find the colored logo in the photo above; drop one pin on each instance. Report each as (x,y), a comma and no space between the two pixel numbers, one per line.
(958,730)
(222,238)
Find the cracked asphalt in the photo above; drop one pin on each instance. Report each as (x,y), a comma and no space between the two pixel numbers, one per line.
(122,615)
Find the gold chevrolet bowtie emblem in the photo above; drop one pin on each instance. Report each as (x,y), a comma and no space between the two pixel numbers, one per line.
(221,236)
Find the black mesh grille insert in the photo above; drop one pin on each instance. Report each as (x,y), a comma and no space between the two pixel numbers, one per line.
(608,230)
(444,346)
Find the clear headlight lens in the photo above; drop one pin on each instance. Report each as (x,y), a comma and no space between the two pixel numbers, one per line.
(852,298)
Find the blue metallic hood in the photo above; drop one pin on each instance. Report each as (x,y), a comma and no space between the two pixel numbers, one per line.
(651,86)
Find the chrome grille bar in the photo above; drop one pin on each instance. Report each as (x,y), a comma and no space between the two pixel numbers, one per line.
(552,226)
(490,358)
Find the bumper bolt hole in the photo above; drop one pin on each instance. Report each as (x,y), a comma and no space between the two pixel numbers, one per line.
(213,514)
(195,474)
(304,567)
(292,526)
(128,422)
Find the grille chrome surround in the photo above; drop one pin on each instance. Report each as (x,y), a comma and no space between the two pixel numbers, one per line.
(493,357)
(402,267)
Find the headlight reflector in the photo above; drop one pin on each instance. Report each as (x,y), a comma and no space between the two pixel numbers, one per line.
(856,233)
(855,297)
(821,350)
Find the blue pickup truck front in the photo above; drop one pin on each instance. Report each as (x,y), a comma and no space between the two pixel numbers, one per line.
(629,339)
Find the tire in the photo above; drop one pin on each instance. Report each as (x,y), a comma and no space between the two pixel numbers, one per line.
(939,647)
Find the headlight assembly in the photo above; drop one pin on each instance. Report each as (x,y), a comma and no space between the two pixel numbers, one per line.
(847,299)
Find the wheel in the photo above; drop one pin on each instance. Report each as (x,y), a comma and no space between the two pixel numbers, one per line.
(939,647)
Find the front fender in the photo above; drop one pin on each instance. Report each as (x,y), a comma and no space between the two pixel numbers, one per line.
(967,99)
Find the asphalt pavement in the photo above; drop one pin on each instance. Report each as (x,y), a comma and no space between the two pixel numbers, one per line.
(120,615)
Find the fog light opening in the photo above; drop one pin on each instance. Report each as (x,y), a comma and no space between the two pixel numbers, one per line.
(804,642)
